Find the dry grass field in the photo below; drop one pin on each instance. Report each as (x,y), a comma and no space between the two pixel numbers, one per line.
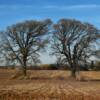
(49,85)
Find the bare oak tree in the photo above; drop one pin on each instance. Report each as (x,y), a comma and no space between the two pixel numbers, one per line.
(73,41)
(22,42)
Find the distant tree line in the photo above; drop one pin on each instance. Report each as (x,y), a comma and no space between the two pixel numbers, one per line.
(55,66)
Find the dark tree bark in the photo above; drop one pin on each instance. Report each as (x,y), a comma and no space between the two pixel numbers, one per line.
(22,42)
(73,41)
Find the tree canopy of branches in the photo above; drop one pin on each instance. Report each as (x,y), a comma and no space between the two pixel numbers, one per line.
(22,42)
(74,42)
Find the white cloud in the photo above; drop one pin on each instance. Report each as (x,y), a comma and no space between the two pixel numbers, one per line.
(73,7)
(84,6)
(51,7)
(16,6)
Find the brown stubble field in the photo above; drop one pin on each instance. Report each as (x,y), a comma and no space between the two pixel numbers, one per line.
(49,85)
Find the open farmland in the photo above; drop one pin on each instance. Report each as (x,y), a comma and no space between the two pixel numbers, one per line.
(49,85)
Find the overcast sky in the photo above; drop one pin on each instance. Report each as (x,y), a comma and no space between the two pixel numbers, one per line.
(13,11)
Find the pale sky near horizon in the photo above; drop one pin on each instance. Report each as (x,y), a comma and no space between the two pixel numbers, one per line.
(14,11)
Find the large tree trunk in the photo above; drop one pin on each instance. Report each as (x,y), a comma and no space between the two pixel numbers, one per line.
(73,70)
(78,77)
(73,73)
(24,66)
(24,71)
